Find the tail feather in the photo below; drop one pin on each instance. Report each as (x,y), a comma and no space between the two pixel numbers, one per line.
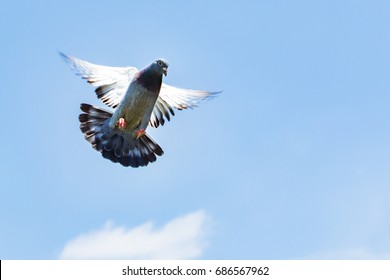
(114,144)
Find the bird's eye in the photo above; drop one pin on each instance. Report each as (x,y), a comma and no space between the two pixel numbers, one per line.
(159,63)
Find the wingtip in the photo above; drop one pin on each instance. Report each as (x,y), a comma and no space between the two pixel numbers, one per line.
(213,94)
(64,57)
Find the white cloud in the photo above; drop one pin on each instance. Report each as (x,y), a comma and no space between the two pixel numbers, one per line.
(182,238)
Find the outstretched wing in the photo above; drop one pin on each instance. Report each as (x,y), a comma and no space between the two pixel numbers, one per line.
(172,97)
(110,83)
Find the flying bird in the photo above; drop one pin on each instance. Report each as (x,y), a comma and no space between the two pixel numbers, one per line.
(139,99)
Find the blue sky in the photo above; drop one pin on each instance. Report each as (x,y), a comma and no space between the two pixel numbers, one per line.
(291,161)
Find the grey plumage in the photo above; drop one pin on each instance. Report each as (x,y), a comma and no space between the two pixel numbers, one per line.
(140,99)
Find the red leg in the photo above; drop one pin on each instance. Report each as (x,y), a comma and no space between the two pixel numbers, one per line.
(139,133)
(121,124)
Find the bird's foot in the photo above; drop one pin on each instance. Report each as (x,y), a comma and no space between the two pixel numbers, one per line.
(139,133)
(121,124)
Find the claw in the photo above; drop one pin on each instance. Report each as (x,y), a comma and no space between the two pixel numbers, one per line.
(139,133)
(121,124)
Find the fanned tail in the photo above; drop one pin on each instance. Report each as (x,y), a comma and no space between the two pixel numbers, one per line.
(114,144)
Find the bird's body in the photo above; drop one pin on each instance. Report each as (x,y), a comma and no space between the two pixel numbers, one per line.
(139,98)
(137,105)
(135,109)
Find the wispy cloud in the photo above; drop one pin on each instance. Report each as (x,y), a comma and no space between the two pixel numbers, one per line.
(184,237)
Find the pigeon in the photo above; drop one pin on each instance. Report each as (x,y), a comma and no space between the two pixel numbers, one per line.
(139,99)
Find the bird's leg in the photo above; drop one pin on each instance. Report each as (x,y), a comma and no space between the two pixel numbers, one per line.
(139,133)
(121,124)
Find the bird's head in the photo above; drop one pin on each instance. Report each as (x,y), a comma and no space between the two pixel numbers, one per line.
(161,65)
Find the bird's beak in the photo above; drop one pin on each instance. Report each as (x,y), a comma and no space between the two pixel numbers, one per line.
(165,71)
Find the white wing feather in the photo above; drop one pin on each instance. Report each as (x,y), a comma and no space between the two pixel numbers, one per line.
(110,83)
(172,97)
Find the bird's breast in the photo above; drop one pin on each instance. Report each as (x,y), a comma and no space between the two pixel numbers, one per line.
(136,107)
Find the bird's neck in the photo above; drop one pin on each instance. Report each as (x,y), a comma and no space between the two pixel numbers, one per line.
(150,80)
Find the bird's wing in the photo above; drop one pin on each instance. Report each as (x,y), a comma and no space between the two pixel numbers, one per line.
(171,97)
(110,83)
